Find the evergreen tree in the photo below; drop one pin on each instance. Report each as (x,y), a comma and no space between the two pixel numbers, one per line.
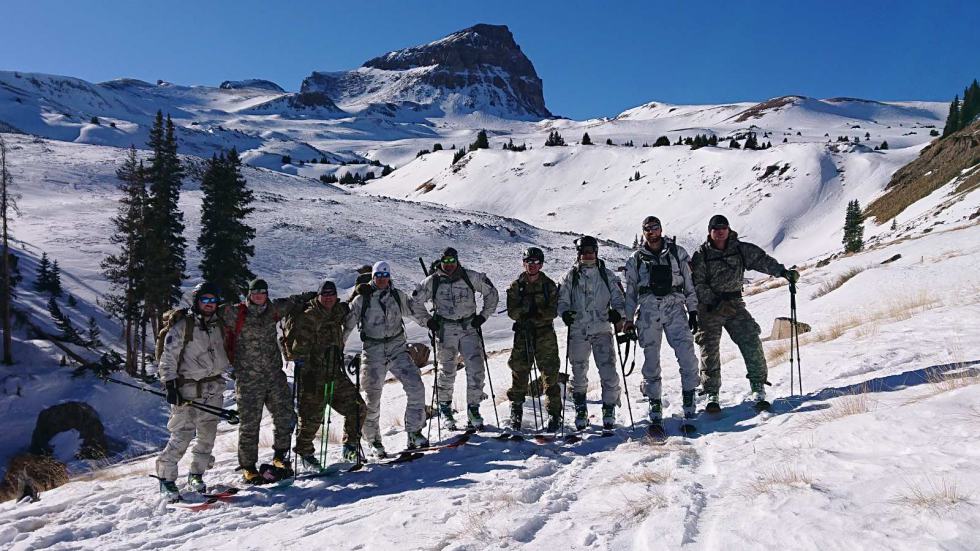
(460,153)
(93,331)
(586,140)
(63,323)
(286,159)
(225,239)
(661,141)
(8,206)
(853,228)
(751,142)
(72,301)
(165,242)
(386,171)
(884,144)
(953,119)
(125,269)
(55,286)
(636,176)
(554,140)
(437,147)
(43,281)
(482,142)
(894,225)
(734,144)
(608,141)
(422,152)
(971,105)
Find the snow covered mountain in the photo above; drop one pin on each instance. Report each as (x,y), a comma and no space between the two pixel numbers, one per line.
(477,69)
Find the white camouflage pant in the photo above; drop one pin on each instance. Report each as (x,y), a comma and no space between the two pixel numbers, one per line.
(377,360)
(602,345)
(659,317)
(454,339)
(184,423)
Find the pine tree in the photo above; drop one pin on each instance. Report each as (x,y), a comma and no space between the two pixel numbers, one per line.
(482,142)
(8,206)
(853,228)
(586,140)
(554,140)
(386,171)
(894,224)
(953,119)
(884,144)
(437,147)
(460,153)
(661,141)
(72,301)
(55,285)
(165,242)
(93,331)
(734,144)
(125,270)
(63,323)
(43,281)
(225,239)
(751,142)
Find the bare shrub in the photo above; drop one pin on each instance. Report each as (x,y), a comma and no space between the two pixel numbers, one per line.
(835,283)
(631,511)
(642,476)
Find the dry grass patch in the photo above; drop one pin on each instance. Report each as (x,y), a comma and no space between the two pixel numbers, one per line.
(642,476)
(835,283)
(473,525)
(933,494)
(763,287)
(631,511)
(103,470)
(907,306)
(779,477)
(861,400)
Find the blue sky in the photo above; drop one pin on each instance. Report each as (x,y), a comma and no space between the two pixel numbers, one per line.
(596,58)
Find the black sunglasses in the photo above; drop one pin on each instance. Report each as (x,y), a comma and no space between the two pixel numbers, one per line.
(328,293)
(209,300)
(533,261)
(651,227)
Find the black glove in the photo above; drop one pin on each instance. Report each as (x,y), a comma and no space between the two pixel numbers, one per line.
(714,305)
(478,320)
(532,309)
(692,321)
(173,393)
(432,324)
(614,316)
(518,325)
(364,289)
(568,317)
(792,275)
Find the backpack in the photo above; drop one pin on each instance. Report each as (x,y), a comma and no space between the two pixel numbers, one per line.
(170,319)
(435,280)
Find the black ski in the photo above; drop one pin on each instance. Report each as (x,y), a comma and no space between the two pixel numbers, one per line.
(762,405)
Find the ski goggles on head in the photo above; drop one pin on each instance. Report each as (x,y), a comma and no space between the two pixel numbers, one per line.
(651,227)
(208,300)
(382,274)
(449,260)
(537,261)
(328,293)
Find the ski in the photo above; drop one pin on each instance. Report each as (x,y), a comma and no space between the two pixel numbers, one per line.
(762,405)
(712,407)
(224,495)
(459,441)
(189,506)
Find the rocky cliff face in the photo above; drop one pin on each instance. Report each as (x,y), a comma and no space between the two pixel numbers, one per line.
(480,68)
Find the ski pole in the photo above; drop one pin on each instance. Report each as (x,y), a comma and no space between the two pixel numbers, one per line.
(486,364)
(529,357)
(794,335)
(355,364)
(229,415)
(564,387)
(435,375)
(622,367)
(435,387)
(325,434)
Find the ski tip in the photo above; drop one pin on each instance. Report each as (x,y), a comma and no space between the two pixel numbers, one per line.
(762,405)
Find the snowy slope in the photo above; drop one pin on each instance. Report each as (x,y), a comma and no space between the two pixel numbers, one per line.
(855,463)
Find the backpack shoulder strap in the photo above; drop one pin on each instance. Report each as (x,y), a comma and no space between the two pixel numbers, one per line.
(466,278)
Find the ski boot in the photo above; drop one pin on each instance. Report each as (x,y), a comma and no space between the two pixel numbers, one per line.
(581,412)
(657,419)
(378,449)
(759,396)
(714,404)
(251,477)
(311,464)
(168,488)
(417,440)
(350,453)
(608,417)
(279,460)
(446,411)
(690,412)
(474,421)
(195,483)
(554,423)
(516,416)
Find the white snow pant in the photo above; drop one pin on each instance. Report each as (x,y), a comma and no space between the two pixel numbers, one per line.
(658,317)
(184,422)
(377,360)
(454,339)
(602,345)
